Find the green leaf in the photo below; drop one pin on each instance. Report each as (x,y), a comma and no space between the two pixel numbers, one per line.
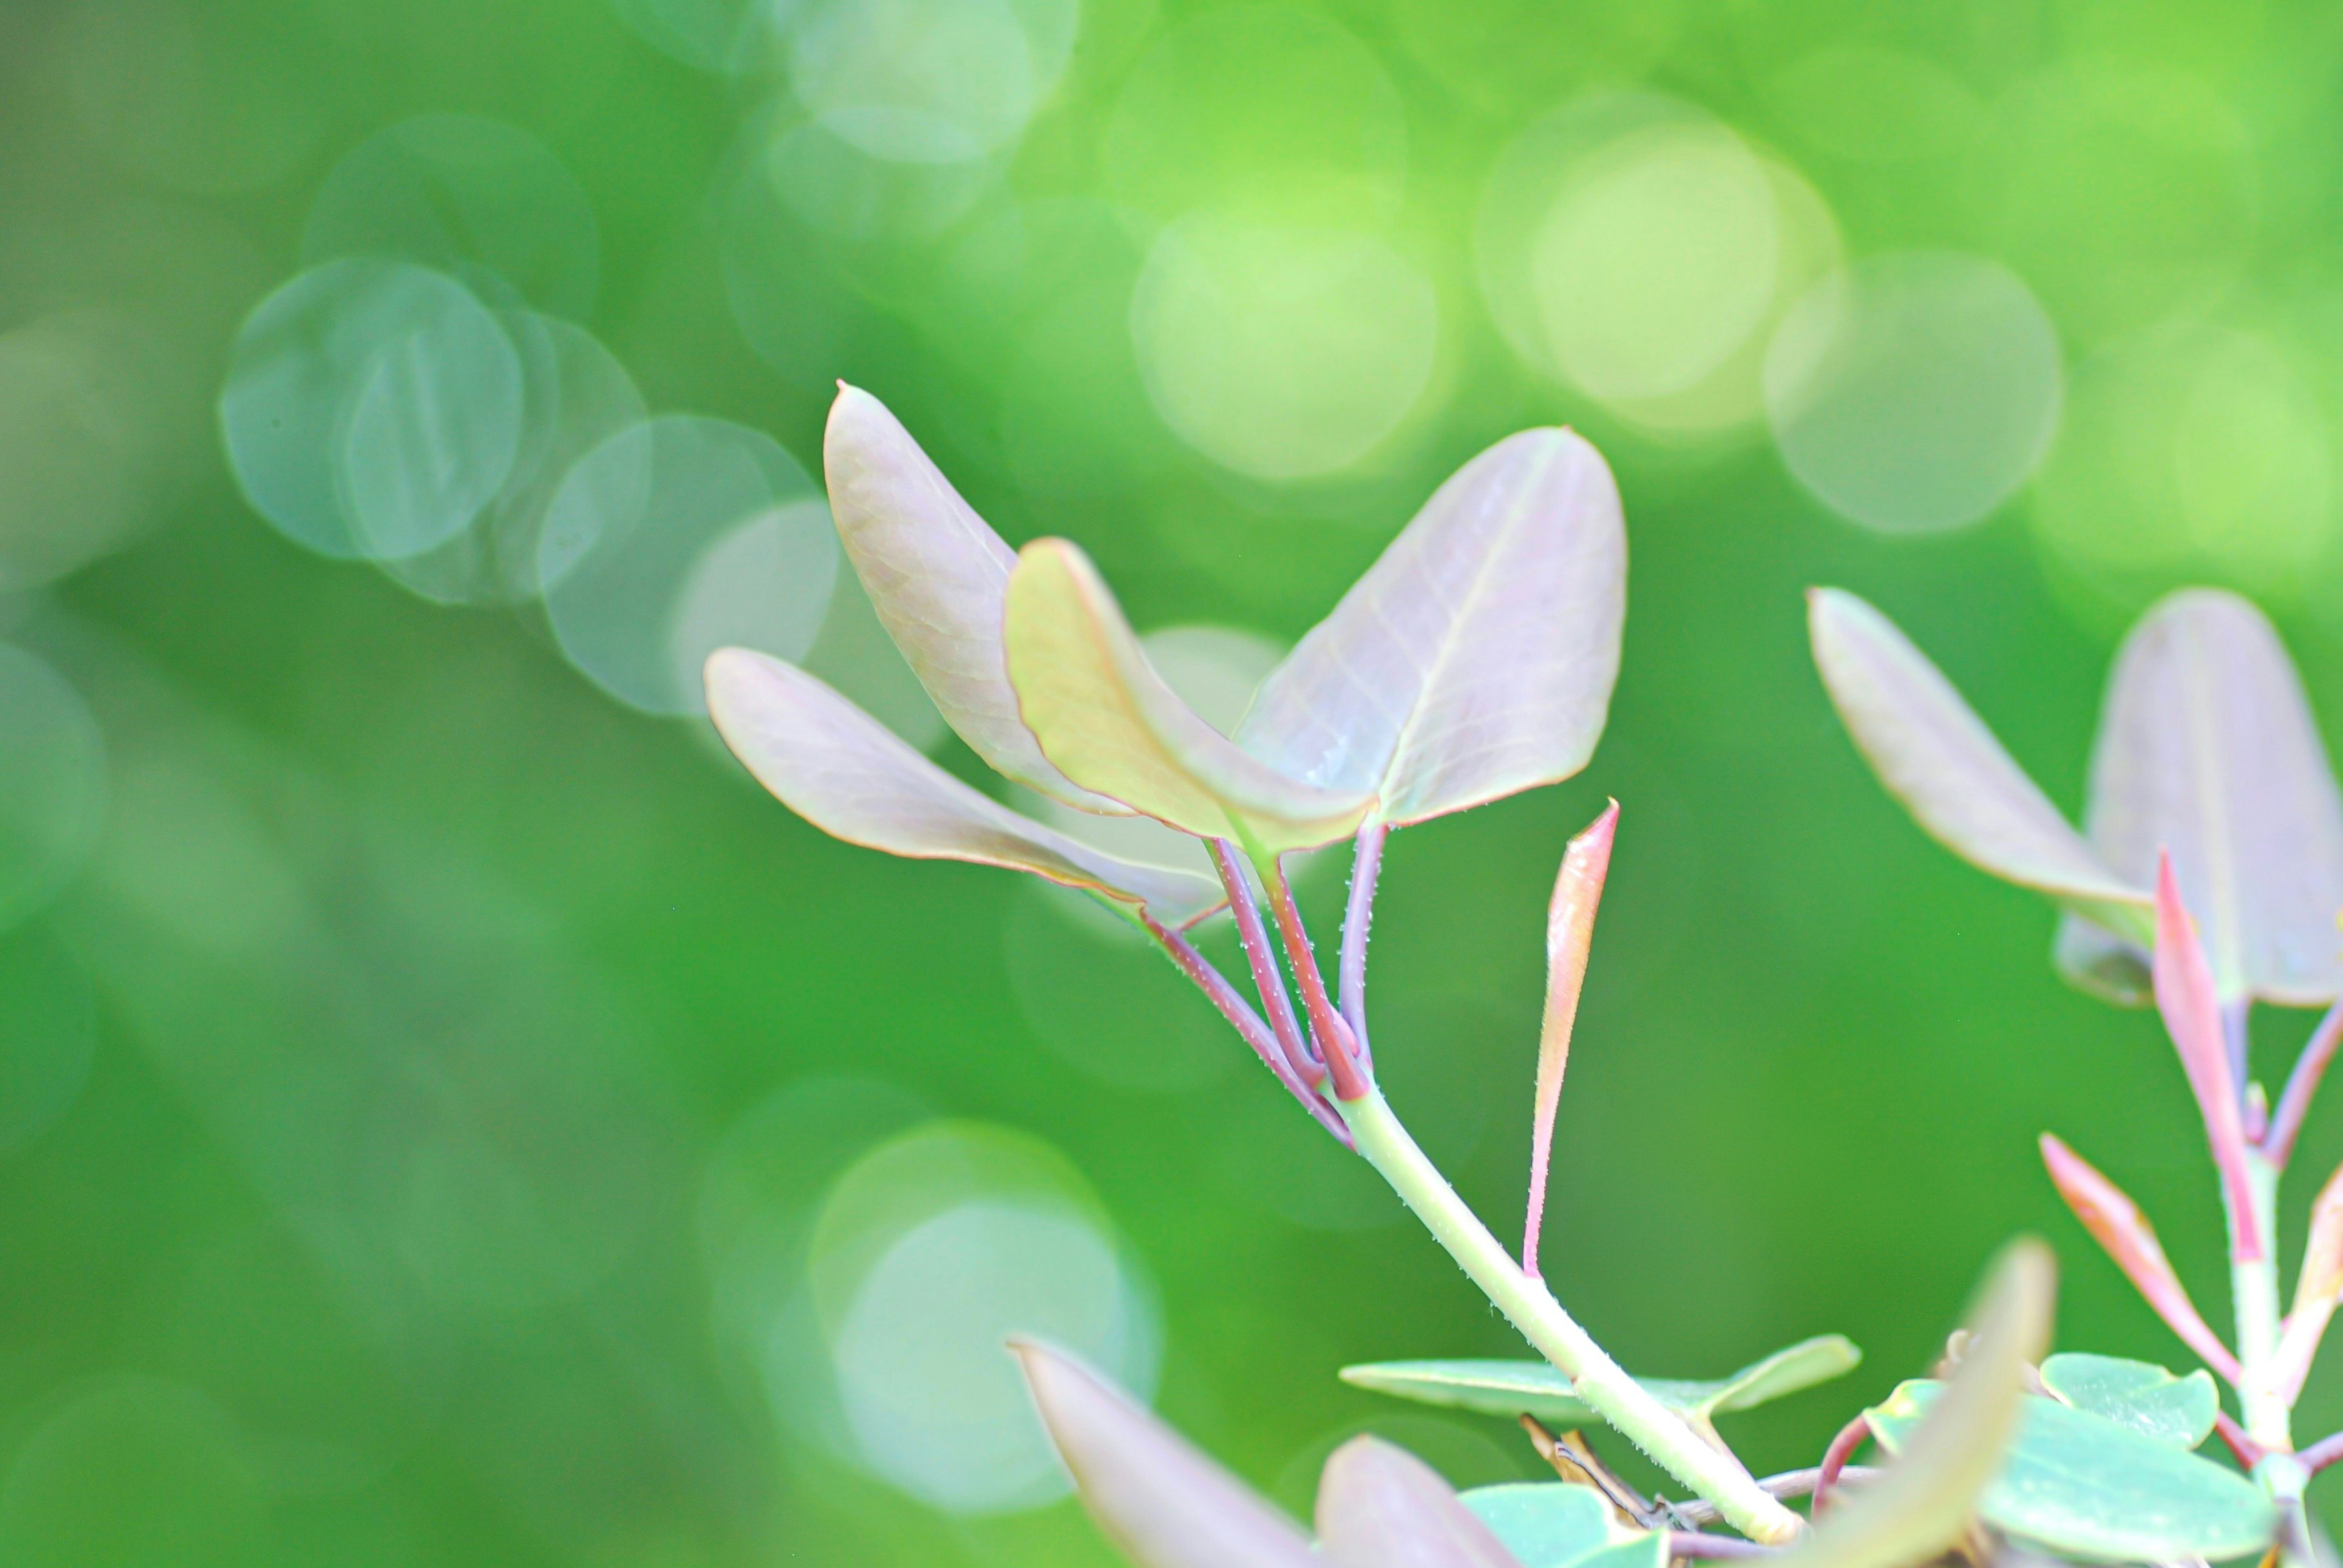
(938,575)
(1381,1507)
(1106,720)
(850,775)
(1162,1501)
(2175,1411)
(1921,1505)
(1935,755)
(2086,1487)
(1475,658)
(1545,1524)
(1511,1388)
(2207,748)
(1645,1551)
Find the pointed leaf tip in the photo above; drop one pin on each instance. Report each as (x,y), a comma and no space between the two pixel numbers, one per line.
(2121,1231)
(2191,1005)
(1476,657)
(1569,937)
(938,576)
(1380,1506)
(1936,756)
(849,775)
(1104,718)
(1160,1499)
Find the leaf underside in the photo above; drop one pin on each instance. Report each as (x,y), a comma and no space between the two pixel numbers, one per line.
(2207,748)
(1475,658)
(849,775)
(1514,1387)
(2088,1487)
(1935,755)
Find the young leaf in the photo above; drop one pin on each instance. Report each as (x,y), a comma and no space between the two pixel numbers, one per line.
(1569,933)
(1157,1498)
(1476,657)
(938,576)
(2115,1222)
(1381,1507)
(1936,756)
(2316,1290)
(2208,749)
(849,775)
(1920,1505)
(1514,1387)
(2191,1005)
(2087,1487)
(2176,1411)
(1108,721)
(1545,1524)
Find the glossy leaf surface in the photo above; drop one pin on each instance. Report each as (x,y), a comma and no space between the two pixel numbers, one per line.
(1545,1524)
(1569,935)
(2086,1487)
(1162,1502)
(1935,755)
(1921,1505)
(2207,748)
(939,578)
(1475,658)
(849,775)
(2176,1411)
(1512,1388)
(1107,720)
(1381,1507)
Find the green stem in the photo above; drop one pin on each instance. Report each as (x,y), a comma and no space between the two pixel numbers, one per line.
(1594,1377)
(2253,1287)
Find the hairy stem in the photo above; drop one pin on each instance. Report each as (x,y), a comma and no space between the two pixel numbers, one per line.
(1333,1035)
(1594,1377)
(2254,1292)
(1263,963)
(1367,864)
(1247,1022)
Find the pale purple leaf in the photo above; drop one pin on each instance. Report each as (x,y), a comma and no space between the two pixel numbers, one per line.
(1919,1506)
(2207,748)
(1476,658)
(847,774)
(1108,721)
(1936,756)
(1381,1507)
(1164,1503)
(938,576)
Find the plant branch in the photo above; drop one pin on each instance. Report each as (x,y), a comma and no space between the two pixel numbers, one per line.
(1594,1377)
(2301,1085)
(2322,1454)
(1789,1483)
(1333,1035)
(1850,1436)
(2253,1278)
(1366,865)
(1693,1544)
(1247,1022)
(2244,1449)
(1263,964)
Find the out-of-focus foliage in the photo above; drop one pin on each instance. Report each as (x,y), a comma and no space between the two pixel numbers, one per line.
(449,1114)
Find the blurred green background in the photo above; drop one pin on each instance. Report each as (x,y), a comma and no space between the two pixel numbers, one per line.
(448,1114)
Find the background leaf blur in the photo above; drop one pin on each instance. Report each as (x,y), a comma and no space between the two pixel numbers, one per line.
(448,1114)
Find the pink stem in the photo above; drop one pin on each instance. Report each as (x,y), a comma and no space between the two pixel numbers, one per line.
(1254,936)
(1332,1033)
(2247,1450)
(2301,1084)
(1693,1544)
(2321,1455)
(1367,864)
(1234,1007)
(1842,1448)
